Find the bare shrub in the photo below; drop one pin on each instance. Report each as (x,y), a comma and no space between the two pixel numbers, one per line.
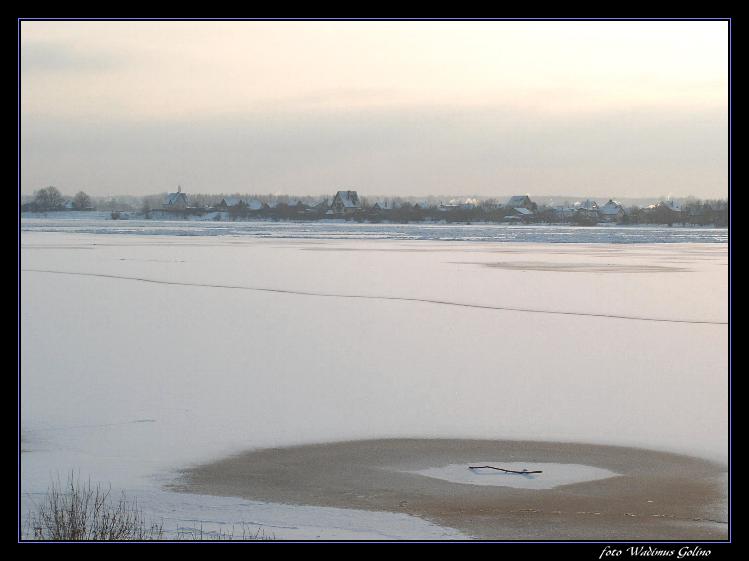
(79,511)
(82,512)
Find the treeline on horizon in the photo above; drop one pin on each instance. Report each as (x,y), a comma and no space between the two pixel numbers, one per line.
(694,211)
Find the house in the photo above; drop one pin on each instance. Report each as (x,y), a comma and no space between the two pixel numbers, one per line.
(664,207)
(587,210)
(254,204)
(345,202)
(321,207)
(175,201)
(520,207)
(450,207)
(612,211)
(564,212)
(296,204)
(588,205)
(665,212)
(522,201)
(284,204)
(231,202)
(671,205)
(520,213)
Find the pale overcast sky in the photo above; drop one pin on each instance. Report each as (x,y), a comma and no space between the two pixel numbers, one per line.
(624,109)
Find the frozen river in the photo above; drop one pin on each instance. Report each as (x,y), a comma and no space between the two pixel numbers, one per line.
(142,354)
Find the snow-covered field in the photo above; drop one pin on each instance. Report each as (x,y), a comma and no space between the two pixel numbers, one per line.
(144,354)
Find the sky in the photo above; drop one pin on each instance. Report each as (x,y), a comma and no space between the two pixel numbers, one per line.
(601,109)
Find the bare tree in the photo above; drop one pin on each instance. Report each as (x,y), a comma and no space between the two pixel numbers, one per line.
(48,198)
(81,201)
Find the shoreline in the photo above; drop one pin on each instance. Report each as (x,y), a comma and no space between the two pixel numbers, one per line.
(104,216)
(656,495)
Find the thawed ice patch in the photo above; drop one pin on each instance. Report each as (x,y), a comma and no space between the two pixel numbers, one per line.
(552,475)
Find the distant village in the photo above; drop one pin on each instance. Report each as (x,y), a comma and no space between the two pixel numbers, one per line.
(349,205)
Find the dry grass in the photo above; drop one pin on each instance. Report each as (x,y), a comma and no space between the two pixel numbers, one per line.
(243,533)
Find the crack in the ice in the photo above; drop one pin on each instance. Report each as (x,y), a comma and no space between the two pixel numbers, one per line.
(375,297)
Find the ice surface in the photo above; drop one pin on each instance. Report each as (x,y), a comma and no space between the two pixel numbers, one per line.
(128,381)
(186,514)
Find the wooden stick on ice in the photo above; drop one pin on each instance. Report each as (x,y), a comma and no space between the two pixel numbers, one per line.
(525,471)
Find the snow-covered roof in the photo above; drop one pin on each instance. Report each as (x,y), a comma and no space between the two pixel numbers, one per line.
(349,199)
(174,198)
(518,200)
(231,201)
(288,203)
(672,205)
(523,211)
(254,204)
(611,207)
(587,205)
